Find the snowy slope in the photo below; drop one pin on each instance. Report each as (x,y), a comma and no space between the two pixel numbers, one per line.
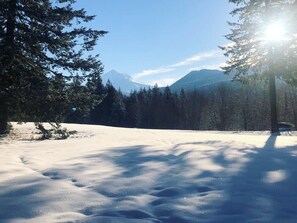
(122,81)
(116,175)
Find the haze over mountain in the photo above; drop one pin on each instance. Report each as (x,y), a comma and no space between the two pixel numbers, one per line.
(200,79)
(122,81)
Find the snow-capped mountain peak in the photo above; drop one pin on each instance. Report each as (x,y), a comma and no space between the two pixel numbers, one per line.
(124,82)
(113,75)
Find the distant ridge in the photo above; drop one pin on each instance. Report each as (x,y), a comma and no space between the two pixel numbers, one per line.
(200,79)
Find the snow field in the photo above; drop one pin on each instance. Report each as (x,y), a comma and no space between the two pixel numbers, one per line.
(115,175)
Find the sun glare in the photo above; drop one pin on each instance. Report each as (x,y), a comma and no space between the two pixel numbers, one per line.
(274,32)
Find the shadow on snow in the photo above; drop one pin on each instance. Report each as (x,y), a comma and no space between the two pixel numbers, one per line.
(260,188)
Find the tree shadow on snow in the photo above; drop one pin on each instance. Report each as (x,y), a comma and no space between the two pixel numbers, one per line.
(155,174)
(21,198)
(261,190)
(264,190)
(169,178)
(187,183)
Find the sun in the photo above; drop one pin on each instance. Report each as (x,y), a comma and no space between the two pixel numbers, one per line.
(275,32)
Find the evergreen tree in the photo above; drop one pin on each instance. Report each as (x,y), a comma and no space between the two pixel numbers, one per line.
(99,92)
(111,111)
(83,98)
(118,110)
(142,108)
(156,107)
(41,41)
(169,112)
(182,109)
(251,51)
(100,114)
(132,110)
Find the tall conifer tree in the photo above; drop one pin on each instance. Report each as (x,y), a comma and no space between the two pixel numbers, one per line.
(42,40)
(252,56)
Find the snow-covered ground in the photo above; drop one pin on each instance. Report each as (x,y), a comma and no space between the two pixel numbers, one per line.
(122,175)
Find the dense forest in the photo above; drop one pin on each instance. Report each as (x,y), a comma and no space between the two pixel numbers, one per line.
(225,106)
(49,73)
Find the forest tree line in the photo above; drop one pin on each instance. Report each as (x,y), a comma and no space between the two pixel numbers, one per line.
(223,107)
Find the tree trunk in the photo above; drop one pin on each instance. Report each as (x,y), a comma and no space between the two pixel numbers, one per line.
(8,58)
(3,117)
(272,94)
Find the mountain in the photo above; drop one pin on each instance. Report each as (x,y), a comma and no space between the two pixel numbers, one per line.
(122,81)
(200,79)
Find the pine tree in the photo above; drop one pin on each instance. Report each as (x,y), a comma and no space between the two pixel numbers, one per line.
(111,110)
(42,40)
(81,99)
(132,110)
(169,112)
(251,52)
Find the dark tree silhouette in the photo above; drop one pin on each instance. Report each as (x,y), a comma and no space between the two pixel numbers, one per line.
(42,41)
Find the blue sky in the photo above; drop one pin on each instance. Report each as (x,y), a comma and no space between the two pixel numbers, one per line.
(159,41)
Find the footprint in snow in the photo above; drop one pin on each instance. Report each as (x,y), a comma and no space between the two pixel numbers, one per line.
(52,175)
(77,184)
(24,160)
